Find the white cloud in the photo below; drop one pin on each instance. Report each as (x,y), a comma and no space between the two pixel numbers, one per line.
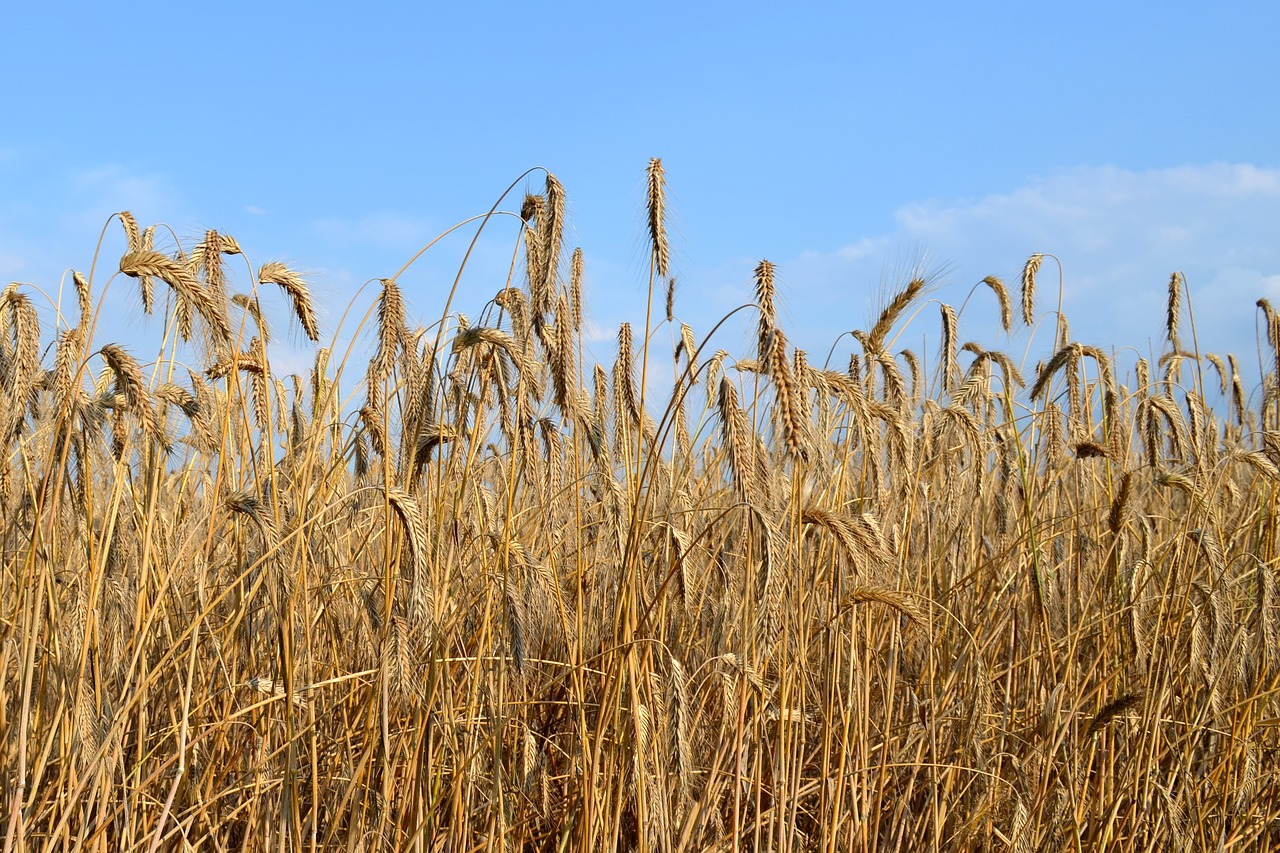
(1119,234)
(389,229)
(104,190)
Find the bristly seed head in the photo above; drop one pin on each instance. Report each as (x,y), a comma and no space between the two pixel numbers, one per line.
(657,217)
(1029,287)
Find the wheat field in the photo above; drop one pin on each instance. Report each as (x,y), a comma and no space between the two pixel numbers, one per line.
(477,591)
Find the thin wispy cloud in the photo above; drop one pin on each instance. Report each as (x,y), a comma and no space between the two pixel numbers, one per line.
(385,228)
(1119,235)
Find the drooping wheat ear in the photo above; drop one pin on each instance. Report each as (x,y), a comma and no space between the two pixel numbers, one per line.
(189,291)
(274,272)
(1029,287)
(1064,331)
(359,454)
(476,335)
(1117,428)
(184,318)
(889,597)
(22,318)
(1149,421)
(251,307)
(1174,309)
(1165,405)
(625,376)
(530,206)
(180,398)
(1143,373)
(227,245)
(1272,319)
(738,440)
(656,206)
(1065,358)
(83,299)
(624,419)
(517,619)
(1055,442)
(684,442)
(531,759)
(406,509)
(681,746)
(131,230)
(206,263)
(1247,786)
(765,295)
(564,369)
(390,328)
(575,290)
(513,301)
(88,732)
(949,370)
(899,303)
(320,385)
(398,652)
(202,418)
(801,372)
(1104,366)
(258,383)
(917,381)
(130,383)
(1257,460)
(1197,413)
(1237,390)
(146,286)
(1002,293)
(689,347)
(895,388)
(1221,368)
(1111,710)
(787,396)
(371,417)
(553,453)
(1120,505)
(842,530)
(66,359)
(552,237)
(598,428)
(250,505)
(535,266)
(1264,614)
(1012,375)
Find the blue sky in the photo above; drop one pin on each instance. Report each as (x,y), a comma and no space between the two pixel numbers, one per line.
(841,141)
